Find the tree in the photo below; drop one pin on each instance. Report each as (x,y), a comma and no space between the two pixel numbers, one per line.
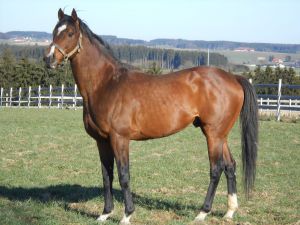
(21,66)
(154,69)
(176,61)
(7,68)
(24,72)
(270,76)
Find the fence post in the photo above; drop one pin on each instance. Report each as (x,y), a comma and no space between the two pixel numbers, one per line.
(6,100)
(20,92)
(62,95)
(1,97)
(29,96)
(75,96)
(10,96)
(290,105)
(278,100)
(50,95)
(261,104)
(39,96)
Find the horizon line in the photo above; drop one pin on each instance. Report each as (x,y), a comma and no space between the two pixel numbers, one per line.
(149,40)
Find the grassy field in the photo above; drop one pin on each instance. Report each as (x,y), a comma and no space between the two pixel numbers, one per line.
(251,57)
(50,174)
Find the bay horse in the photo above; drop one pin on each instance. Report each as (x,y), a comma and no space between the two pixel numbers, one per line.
(122,104)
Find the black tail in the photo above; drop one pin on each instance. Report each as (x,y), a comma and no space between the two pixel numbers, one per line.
(249,132)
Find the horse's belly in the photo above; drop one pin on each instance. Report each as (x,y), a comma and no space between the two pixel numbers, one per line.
(162,125)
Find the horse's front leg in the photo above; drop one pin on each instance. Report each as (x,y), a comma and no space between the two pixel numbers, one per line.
(120,146)
(107,166)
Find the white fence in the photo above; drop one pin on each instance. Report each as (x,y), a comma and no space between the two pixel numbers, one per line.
(279,104)
(50,97)
(69,97)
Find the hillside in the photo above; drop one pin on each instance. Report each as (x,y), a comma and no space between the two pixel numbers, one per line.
(166,43)
(29,34)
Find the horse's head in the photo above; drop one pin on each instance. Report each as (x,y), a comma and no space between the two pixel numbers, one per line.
(67,39)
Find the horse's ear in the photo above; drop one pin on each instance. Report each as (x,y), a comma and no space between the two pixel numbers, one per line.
(74,15)
(61,14)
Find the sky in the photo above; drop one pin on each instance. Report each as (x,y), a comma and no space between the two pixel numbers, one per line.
(268,21)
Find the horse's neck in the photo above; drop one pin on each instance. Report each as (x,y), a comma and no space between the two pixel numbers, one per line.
(91,69)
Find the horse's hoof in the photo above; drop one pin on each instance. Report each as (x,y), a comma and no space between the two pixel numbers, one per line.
(125,220)
(201,217)
(228,215)
(104,217)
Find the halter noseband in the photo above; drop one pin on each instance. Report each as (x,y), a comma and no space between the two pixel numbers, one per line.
(76,49)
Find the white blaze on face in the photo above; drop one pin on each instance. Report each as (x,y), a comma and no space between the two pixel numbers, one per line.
(61,28)
(52,49)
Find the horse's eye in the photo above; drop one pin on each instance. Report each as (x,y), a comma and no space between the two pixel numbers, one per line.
(70,34)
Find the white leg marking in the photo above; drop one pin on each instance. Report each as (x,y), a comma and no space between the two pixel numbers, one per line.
(61,28)
(201,216)
(104,217)
(232,206)
(125,220)
(52,49)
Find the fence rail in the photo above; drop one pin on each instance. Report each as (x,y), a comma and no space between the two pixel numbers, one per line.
(69,97)
(51,97)
(278,103)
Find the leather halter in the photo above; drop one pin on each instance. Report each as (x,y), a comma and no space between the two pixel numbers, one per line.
(71,53)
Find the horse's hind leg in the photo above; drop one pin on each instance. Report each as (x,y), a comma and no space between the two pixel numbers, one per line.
(220,159)
(229,171)
(215,146)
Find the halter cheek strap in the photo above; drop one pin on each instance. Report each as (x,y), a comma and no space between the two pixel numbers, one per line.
(71,53)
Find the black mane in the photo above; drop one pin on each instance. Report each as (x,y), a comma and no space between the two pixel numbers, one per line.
(93,38)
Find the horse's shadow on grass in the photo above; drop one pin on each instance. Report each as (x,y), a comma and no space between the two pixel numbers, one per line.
(66,194)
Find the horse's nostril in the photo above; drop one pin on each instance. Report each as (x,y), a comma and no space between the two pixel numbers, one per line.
(47,60)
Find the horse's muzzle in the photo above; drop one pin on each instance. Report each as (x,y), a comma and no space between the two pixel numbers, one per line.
(50,62)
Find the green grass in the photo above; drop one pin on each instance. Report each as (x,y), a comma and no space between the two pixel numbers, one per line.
(50,174)
(251,57)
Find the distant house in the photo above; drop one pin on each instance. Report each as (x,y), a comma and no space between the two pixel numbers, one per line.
(244,49)
(19,40)
(277,60)
(261,59)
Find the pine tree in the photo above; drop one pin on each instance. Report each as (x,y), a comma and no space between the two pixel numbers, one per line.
(7,68)
(154,69)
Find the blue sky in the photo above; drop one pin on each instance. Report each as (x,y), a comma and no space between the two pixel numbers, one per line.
(275,21)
